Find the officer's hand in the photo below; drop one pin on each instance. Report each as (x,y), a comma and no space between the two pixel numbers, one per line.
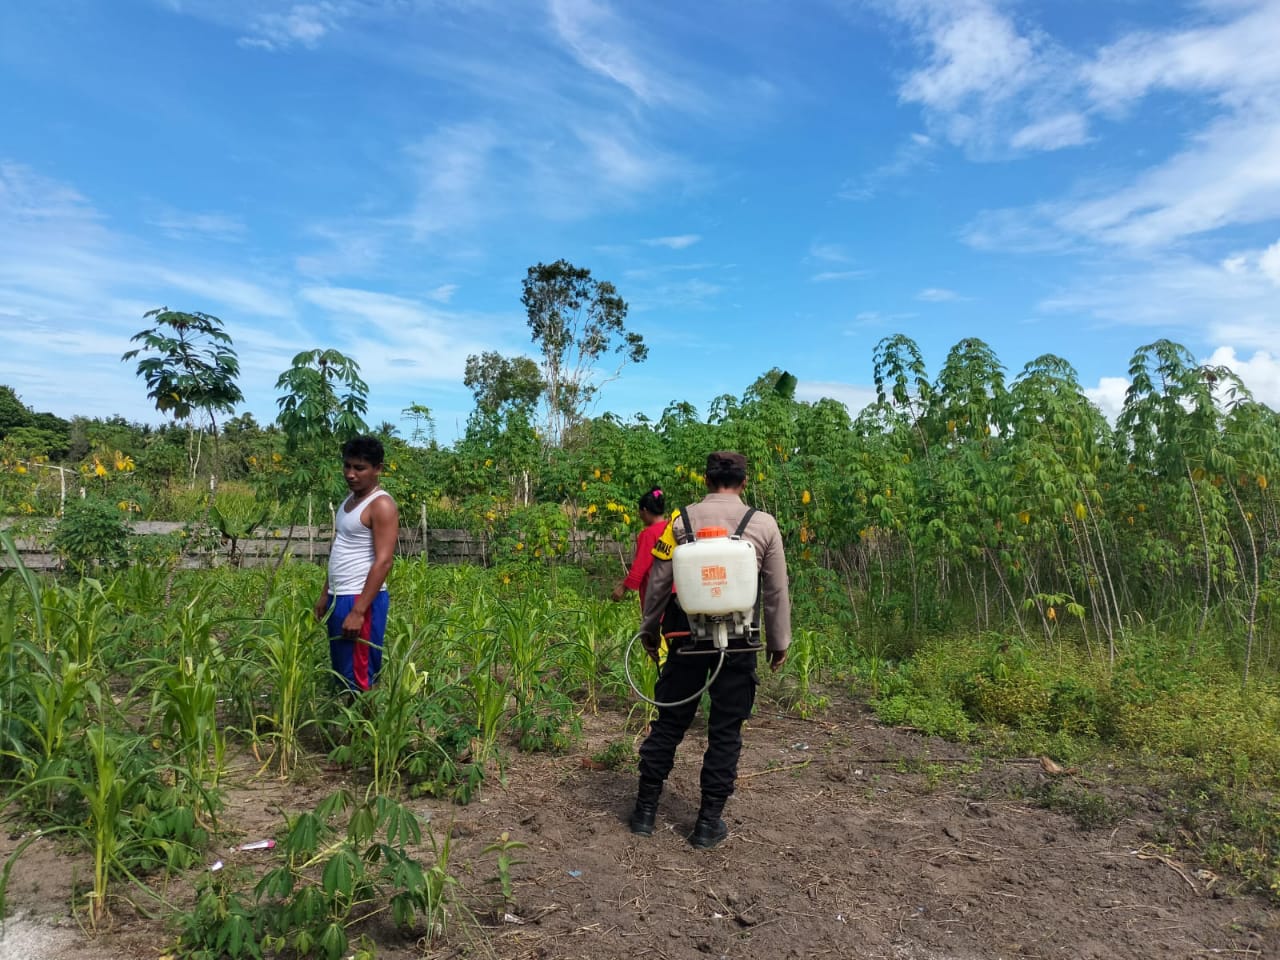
(650,644)
(618,593)
(321,607)
(776,659)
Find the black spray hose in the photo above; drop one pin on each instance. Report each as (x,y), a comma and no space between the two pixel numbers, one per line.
(626,666)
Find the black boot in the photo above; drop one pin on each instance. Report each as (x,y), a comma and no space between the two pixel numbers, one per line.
(645,814)
(709,830)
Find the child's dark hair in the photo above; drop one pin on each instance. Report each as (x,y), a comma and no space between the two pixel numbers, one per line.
(654,502)
(368,449)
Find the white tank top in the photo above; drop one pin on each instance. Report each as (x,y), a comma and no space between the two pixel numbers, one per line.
(351,556)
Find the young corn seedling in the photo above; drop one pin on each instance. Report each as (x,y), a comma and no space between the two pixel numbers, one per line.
(503,848)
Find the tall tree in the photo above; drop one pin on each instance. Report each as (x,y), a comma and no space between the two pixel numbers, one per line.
(498,381)
(575,320)
(323,404)
(190,368)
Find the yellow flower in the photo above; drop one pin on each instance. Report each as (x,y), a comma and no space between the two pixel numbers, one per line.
(253,461)
(20,468)
(519,546)
(1025,516)
(1052,614)
(805,498)
(584,485)
(612,507)
(626,518)
(276,458)
(607,477)
(1262,481)
(393,465)
(123,463)
(591,510)
(506,578)
(596,473)
(490,516)
(488,463)
(99,469)
(760,477)
(1142,508)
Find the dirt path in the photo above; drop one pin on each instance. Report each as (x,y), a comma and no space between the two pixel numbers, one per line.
(848,839)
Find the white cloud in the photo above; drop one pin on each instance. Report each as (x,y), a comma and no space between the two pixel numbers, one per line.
(937,295)
(1053,133)
(1260,373)
(1182,297)
(878,318)
(827,276)
(1269,263)
(829,253)
(443,293)
(475,172)
(304,24)
(911,156)
(1247,264)
(600,42)
(679,242)
(988,85)
(74,291)
(976,51)
(1109,395)
(401,340)
(1228,176)
(179,225)
(1236,58)
(854,396)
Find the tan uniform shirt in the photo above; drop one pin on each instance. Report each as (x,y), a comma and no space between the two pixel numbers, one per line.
(726,510)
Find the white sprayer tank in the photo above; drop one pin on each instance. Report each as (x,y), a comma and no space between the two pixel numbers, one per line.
(716,576)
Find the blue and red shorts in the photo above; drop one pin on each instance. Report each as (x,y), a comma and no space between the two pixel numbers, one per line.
(357,662)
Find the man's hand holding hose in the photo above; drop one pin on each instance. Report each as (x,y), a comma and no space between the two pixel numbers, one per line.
(651,646)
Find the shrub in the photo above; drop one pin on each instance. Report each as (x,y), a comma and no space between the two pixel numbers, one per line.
(92,533)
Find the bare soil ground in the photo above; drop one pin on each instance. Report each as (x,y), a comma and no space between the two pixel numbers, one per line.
(848,839)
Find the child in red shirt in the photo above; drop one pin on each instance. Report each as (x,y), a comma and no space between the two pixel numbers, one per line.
(653,514)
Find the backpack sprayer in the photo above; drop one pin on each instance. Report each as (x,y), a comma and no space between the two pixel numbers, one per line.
(716,580)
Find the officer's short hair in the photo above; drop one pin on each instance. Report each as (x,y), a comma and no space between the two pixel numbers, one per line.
(726,468)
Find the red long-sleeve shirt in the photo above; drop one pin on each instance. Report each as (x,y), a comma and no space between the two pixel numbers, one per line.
(638,575)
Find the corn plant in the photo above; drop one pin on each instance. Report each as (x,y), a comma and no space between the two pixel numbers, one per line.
(390,728)
(116,791)
(184,699)
(51,700)
(282,661)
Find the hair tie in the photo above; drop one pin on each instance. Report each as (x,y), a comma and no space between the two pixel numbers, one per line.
(657,492)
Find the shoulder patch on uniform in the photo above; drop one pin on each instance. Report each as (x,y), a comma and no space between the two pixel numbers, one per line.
(666,545)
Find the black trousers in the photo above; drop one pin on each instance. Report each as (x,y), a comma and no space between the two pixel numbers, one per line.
(733,694)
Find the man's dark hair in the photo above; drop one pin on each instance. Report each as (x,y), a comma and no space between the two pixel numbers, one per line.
(368,449)
(726,470)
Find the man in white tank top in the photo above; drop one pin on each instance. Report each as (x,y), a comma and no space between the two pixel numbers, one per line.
(364,547)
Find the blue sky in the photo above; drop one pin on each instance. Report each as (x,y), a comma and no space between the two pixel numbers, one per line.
(767,184)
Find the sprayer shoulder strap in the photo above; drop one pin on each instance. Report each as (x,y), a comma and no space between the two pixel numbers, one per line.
(742,524)
(688,525)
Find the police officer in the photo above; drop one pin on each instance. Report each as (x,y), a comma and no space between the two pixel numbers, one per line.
(734,690)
